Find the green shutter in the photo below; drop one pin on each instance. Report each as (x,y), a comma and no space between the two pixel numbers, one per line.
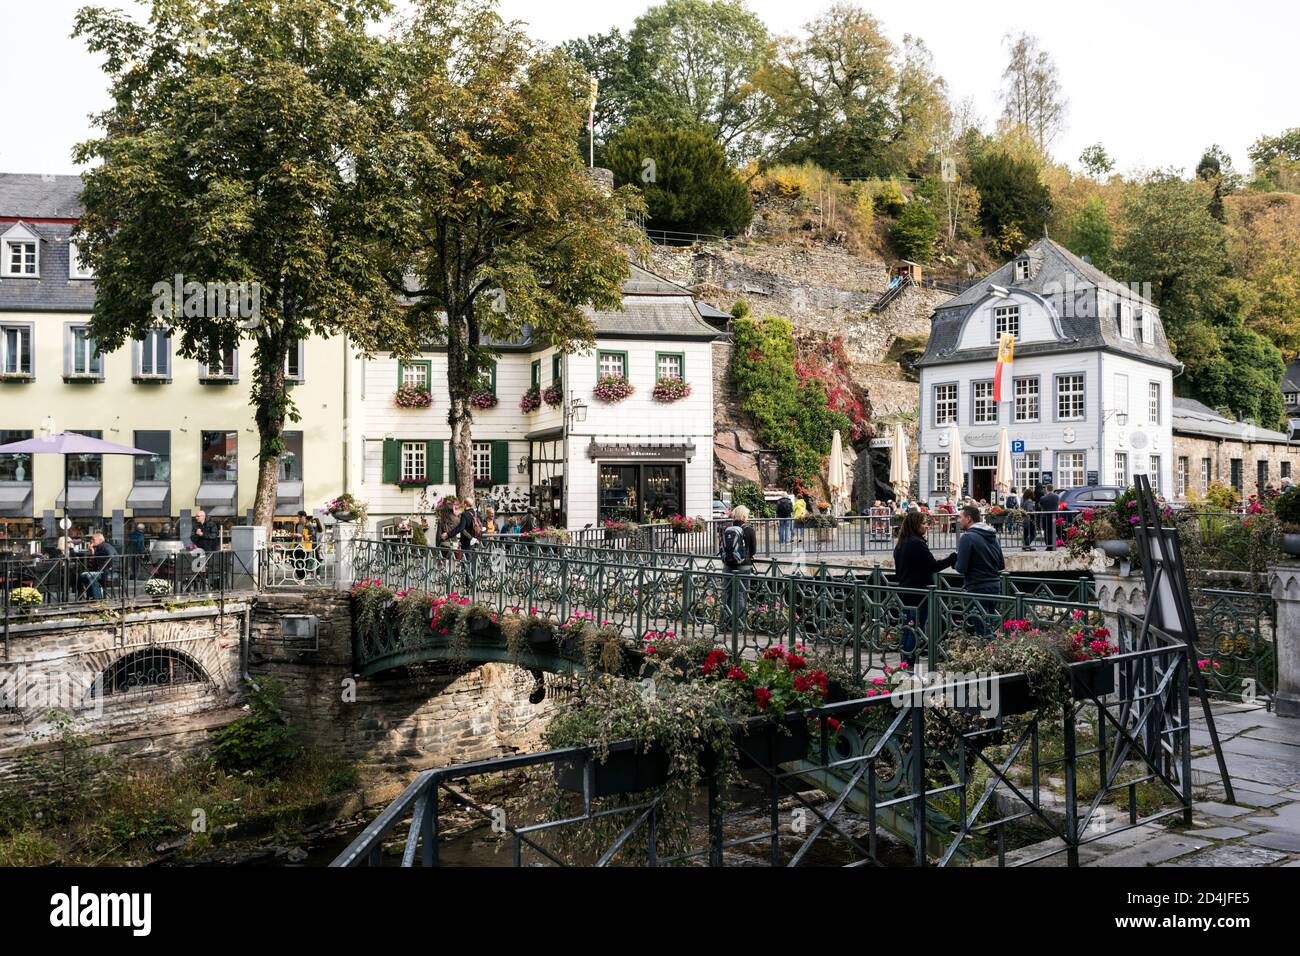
(392,462)
(501,463)
(494,378)
(451,462)
(433,455)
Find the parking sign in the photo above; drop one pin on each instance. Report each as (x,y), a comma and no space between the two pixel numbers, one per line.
(1017,448)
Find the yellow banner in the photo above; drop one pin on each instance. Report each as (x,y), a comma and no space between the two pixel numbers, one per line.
(1006,347)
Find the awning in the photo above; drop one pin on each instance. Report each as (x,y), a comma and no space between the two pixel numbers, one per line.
(288,498)
(85,497)
(16,499)
(217,498)
(148,496)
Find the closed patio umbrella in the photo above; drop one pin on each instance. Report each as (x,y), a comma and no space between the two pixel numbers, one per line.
(900,472)
(1003,476)
(836,478)
(956,471)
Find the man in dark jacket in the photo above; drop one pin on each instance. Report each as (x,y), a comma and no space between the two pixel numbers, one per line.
(1049,504)
(785,521)
(100,564)
(470,529)
(205,534)
(979,560)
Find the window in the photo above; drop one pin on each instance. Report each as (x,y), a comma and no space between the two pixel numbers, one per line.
(535,371)
(1153,403)
(1069,469)
(555,369)
(86,467)
(482,459)
(1029,469)
(15,350)
(1205,475)
(157,466)
(669,365)
(1292,397)
(945,404)
(20,252)
(293,362)
(1121,394)
(223,364)
(153,357)
(1022,269)
(414,464)
(1235,474)
(414,373)
(291,460)
(1184,475)
(218,456)
(76,268)
(611,363)
(1069,398)
(1286,469)
(1121,469)
(82,359)
(1153,474)
(1261,473)
(940,476)
(1147,329)
(1006,319)
(1124,319)
(985,409)
(15,467)
(1026,390)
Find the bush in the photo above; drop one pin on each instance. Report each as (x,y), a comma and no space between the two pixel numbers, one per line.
(791,182)
(1288,507)
(1221,496)
(261,741)
(915,231)
(689,188)
(888,195)
(751,496)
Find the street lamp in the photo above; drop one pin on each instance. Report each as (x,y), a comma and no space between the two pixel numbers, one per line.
(1121,418)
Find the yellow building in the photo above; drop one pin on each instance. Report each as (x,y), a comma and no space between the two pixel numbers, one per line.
(197,421)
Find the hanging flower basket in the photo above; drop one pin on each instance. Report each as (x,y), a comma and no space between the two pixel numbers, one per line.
(612,388)
(413,396)
(484,400)
(420,482)
(553,395)
(671,390)
(531,400)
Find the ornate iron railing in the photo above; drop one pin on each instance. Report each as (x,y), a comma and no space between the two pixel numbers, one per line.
(879,768)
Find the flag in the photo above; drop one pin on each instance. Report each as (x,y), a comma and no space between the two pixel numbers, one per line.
(1006,352)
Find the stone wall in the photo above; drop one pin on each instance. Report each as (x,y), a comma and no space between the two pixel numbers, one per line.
(54,662)
(392,724)
(1221,453)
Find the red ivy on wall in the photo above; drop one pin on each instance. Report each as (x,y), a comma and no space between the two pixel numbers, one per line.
(823,361)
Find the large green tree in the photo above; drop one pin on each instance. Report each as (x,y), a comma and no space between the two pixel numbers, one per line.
(685,178)
(224,160)
(1014,203)
(1091,235)
(491,224)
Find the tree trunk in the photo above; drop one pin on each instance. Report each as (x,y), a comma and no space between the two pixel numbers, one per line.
(271,405)
(463,440)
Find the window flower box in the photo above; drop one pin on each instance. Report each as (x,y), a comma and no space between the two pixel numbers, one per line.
(17,377)
(531,400)
(484,400)
(413,396)
(553,395)
(612,388)
(623,771)
(419,482)
(671,390)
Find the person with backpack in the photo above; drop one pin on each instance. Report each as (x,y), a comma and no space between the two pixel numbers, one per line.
(469,529)
(737,552)
(785,519)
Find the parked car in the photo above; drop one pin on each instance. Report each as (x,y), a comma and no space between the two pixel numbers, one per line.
(720,511)
(1093,496)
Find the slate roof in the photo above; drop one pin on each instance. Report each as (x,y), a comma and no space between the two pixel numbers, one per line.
(1191,417)
(1291,380)
(1055,267)
(33,197)
(40,197)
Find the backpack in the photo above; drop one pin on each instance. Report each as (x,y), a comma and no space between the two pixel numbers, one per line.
(733,546)
(475,525)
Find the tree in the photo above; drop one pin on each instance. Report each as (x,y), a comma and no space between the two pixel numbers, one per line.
(1264,247)
(1090,234)
(1096,161)
(623,84)
(915,230)
(1245,376)
(697,60)
(684,176)
(224,161)
(1031,90)
(1013,200)
(1215,169)
(1276,161)
(839,99)
(491,224)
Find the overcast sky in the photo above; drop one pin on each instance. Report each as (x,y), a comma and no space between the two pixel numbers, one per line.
(1156,81)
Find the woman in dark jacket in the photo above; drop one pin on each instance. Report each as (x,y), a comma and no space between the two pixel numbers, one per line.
(915,567)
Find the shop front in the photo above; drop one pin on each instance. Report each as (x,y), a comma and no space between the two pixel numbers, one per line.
(640,483)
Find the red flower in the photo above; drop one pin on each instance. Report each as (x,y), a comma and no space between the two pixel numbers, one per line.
(774,653)
(795,662)
(713,662)
(763,696)
(736,674)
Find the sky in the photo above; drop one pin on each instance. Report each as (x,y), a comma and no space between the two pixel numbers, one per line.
(1154,81)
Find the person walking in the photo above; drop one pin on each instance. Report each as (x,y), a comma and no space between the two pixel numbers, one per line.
(99,564)
(737,552)
(1029,502)
(785,519)
(1048,505)
(797,515)
(979,561)
(914,568)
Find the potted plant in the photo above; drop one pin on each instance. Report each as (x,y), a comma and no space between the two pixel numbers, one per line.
(553,395)
(484,399)
(615,530)
(1106,536)
(684,525)
(157,587)
(612,388)
(531,400)
(1287,509)
(1089,651)
(25,599)
(412,396)
(346,508)
(997,516)
(671,390)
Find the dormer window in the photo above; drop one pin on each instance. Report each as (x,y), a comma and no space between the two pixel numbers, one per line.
(1124,319)
(77,269)
(21,253)
(1006,319)
(1022,269)
(1145,329)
